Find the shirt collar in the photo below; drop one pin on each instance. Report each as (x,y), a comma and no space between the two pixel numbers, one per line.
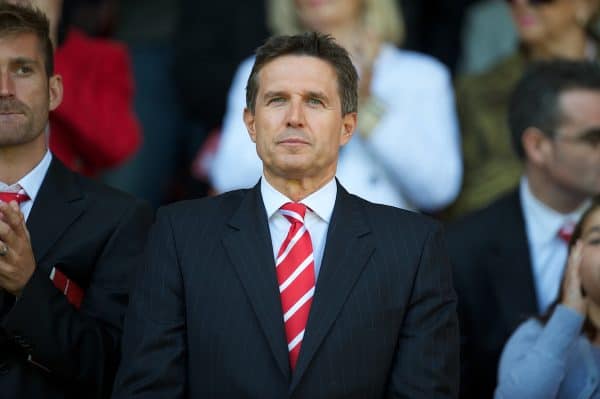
(321,202)
(32,181)
(543,222)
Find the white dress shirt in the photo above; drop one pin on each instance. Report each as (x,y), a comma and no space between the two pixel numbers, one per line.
(548,251)
(31,183)
(318,215)
(411,159)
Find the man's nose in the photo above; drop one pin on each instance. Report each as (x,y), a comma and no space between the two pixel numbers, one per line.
(7,84)
(296,114)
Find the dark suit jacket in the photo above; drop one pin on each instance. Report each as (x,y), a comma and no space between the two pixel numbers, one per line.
(493,278)
(205,320)
(94,235)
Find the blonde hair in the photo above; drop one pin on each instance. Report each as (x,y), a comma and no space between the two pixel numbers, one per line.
(383,16)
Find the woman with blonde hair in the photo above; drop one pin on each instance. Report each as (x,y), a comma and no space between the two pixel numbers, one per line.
(406,152)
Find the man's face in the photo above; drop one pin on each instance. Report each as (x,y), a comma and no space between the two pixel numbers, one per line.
(298,126)
(574,159)
(26,93)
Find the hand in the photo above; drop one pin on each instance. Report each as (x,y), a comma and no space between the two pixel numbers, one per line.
(18,264)
(572,295)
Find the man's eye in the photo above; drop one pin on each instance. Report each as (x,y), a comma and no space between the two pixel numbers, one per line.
(594,241)
(24,70)
(275,100)
(315,101)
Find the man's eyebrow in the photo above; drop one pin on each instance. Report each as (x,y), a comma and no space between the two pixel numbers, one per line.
(270,94)
(593,229)
(23,61)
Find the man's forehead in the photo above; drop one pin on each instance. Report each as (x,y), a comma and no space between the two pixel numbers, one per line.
(307,71)
(21,44)
(580,104)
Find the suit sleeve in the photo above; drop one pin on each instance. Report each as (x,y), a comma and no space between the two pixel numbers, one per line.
(79,348)
(426,363)
(154,347)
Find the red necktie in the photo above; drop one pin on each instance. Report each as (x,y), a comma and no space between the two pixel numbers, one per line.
(296,276)
(565,232)
(8,196)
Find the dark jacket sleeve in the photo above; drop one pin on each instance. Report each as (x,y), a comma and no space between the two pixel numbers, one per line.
(154,348)
(426,363)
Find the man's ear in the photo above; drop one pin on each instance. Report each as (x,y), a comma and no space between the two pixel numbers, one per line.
(249,122)
(55,91)
(349,122)
(536,144)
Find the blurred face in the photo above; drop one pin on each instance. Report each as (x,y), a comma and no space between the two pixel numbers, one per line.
(297,125)
(323,15)
(549,20)
(590,266)
(573,158)
(26,93)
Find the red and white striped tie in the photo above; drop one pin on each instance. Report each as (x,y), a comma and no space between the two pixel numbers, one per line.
(296,276)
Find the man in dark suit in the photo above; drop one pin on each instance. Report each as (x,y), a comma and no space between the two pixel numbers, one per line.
(68,246)
(295,288)
(508,258)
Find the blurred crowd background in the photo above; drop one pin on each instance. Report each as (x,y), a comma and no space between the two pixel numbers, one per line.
(155,89)
(436,75)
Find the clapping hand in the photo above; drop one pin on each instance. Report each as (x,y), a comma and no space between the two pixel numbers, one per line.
(17,262)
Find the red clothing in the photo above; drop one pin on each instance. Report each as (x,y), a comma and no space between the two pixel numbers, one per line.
(95,126)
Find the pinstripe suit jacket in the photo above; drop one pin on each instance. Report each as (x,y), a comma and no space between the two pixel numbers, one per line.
(205,319)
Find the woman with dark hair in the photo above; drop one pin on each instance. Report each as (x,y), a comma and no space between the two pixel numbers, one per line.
(558,354)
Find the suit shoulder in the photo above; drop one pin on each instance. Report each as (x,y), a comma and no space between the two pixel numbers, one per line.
(107,196)
(503,210)
(390,217)
(221,206)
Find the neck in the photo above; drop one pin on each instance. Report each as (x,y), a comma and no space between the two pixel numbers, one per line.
(569,45)
(593,313)
(16,162)
(296,189)
(552,195)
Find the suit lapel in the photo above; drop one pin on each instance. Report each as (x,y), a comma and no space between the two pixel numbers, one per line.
(510,269)
(248,243)
(348,247)
(58,203)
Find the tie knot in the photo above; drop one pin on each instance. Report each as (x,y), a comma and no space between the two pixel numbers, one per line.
(294,212)
(18,195)
(566,232)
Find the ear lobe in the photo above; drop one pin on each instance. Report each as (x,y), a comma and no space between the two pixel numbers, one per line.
(349,122)
(55,91)
(249,122)
(536,145)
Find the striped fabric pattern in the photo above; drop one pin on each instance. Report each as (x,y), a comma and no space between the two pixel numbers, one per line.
(296,277)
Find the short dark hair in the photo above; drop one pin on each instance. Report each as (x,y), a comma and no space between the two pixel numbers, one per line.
(312,44)
(535,100)
(17,19)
